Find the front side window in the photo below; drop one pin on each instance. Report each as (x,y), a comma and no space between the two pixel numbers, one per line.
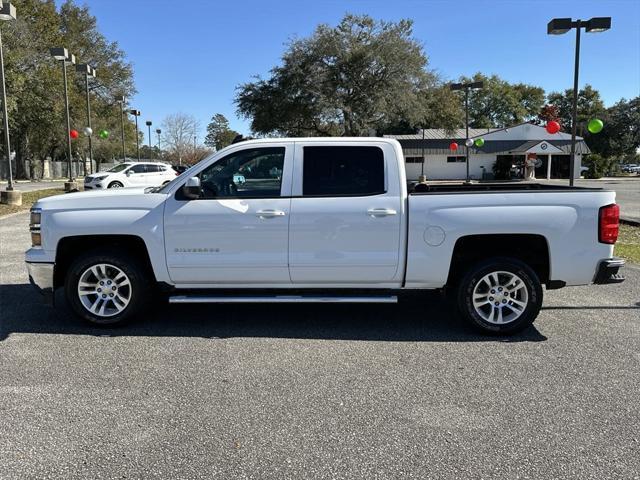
(119,167)
(343,171)
(252,173)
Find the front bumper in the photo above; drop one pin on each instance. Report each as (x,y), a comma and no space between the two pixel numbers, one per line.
(41,277)
(607,271)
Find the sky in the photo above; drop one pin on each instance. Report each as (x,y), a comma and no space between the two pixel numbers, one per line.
(190,56)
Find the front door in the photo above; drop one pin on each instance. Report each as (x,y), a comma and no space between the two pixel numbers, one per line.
(345,215)
(237,231)
(137,175)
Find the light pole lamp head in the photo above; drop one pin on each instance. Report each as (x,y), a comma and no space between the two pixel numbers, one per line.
(86,69)
(148,123)
(558,26)
(598,24)
(135,112)
(83,68)
(59,53)
(71,59)
(158,131)
(8,11)
(455,86)
(476,85)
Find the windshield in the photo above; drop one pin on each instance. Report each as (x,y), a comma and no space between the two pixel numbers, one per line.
(119,167)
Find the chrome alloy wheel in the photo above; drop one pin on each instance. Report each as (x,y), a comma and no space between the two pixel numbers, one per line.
(104,290)
(500,297)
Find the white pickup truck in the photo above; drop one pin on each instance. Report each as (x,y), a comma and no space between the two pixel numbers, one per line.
(321,220)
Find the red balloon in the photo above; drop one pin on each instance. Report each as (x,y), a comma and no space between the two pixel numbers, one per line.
(74,134)
(453,147)
(553,127)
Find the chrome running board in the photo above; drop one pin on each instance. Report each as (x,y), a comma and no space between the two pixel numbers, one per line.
(283,299)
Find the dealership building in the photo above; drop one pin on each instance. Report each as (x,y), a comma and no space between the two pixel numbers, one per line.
(514,143)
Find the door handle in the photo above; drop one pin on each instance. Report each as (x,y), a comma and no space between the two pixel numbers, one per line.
(270,213)
(381,212)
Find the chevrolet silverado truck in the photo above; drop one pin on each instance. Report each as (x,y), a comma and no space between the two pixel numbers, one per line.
(321,220)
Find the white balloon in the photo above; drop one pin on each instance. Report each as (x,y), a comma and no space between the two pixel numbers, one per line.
(88,131)
(469,142)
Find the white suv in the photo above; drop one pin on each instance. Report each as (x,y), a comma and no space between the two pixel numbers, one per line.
(131,174)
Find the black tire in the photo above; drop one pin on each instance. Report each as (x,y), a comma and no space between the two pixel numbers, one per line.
(115,184)
(139,290)
(475,276)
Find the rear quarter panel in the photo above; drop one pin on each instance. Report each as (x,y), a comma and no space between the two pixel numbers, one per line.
(567,220)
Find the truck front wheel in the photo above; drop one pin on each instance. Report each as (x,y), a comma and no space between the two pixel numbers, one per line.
(106,288)
(500,296)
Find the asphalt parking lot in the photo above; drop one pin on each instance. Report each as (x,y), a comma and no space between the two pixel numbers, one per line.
(391,391)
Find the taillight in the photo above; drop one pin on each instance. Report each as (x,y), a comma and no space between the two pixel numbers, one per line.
(608,224)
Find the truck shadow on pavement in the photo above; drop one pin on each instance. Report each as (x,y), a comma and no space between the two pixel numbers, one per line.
(417,318)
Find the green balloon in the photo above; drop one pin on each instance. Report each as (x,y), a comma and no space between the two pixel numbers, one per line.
(595,125)
(104,134)
(479,142)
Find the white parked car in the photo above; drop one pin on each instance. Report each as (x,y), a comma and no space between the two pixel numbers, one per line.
(131,174)
(321,220)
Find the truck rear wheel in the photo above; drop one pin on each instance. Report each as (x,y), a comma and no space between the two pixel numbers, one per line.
(500,296)
(106,288)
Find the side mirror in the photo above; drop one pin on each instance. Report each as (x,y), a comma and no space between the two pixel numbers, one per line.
(192,189)
(128,173)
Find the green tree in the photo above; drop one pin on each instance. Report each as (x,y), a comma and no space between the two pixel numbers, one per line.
(500,103)
(590,106)
(620,136)
(359,76)
(219,135)
(34,82)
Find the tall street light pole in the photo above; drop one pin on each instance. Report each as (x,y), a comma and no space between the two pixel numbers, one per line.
(136,113)
(559,26)
(158,132)
(63,55)
(88,71)
(149,123)
(7,13)
(121,101)
(466,87)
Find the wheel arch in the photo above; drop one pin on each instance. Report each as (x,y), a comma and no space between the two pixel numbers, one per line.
(531,249)
(70,247)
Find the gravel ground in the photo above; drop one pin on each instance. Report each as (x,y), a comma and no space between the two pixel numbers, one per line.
(391,391)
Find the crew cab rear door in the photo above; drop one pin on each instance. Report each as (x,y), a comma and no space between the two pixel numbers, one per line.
(237,231)
(346,211)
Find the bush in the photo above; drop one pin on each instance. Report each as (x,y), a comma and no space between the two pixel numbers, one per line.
(598,166)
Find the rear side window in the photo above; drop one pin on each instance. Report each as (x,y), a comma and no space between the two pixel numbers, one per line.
(337,171)
(152,168)
(139,168)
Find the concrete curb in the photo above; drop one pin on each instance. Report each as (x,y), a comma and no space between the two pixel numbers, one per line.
(628,221)
(15,214)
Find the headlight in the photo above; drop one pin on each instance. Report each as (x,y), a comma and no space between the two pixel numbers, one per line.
(34,227)
(101,177)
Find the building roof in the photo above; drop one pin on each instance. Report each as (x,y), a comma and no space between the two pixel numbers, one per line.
(510,140)
(440,133)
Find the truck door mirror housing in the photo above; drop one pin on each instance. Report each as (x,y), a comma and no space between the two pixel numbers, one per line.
(192,189)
